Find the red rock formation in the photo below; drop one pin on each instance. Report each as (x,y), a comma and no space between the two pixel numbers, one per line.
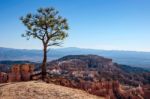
(26,71)
(18,73)
(14,75)
(3,77)
(146,90)
(108,89)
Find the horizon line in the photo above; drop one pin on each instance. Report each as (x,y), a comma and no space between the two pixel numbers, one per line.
(123,50)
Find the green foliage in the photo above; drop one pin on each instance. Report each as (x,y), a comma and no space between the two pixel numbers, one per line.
(46,25)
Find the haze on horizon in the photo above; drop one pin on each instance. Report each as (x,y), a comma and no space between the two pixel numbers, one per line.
(94,24)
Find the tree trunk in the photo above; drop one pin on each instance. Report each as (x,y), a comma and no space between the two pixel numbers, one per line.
(44,63)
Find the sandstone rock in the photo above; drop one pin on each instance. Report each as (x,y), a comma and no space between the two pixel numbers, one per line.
(14,77)
(26,71)
(26,76)
(15,69)
(3,77)
(20,72)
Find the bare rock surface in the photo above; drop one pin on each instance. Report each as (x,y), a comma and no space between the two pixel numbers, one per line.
(41,90)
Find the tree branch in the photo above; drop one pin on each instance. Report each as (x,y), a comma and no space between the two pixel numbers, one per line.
(55,44)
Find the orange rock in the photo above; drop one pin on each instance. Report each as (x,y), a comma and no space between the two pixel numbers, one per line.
(25,76)
(15,68)
(26,71)
(20,72)
(3,77)
(24,68)
(14,77)
(31,68)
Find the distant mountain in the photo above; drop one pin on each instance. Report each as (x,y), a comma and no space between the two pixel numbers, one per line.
(132,58)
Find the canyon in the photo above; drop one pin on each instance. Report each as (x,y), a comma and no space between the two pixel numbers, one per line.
(94,74)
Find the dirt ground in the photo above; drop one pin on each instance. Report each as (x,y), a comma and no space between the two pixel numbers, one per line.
(41,90)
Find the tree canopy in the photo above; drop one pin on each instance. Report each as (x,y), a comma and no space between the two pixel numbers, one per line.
(46,25)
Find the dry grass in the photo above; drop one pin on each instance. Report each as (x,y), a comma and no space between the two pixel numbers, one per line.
(41,90)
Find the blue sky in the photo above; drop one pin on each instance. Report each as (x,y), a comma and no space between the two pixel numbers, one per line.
(95,24)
